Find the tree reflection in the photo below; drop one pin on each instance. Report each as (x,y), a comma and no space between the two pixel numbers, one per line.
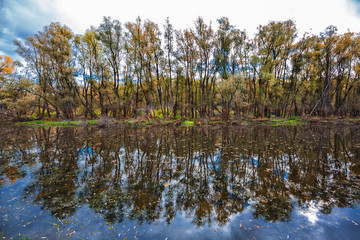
(208,174)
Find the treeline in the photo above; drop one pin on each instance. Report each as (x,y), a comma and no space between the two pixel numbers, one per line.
(144,69)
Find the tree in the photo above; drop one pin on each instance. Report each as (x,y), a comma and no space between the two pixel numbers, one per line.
(88,53)
(110,35)
(205,41)
(15,97)
(48,55)
(34,55)
(274,42)
(329,39)
(169,52)
(186,55)
(135,49)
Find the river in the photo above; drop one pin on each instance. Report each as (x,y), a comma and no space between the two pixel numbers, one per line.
(250,182)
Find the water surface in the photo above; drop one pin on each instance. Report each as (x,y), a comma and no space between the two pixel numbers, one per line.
(249,182)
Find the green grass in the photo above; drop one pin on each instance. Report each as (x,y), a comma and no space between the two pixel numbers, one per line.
(295,117)
(45,123)
(131,121)
(291,122)
(276,120)
(170,121)
(146,123)
(188,123)
(354,119)
(92,121)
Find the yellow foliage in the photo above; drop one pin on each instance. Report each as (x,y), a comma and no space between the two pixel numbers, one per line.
(6,65)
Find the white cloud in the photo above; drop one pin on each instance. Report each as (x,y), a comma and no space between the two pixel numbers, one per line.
(308,14)
(26,17)
(311,213)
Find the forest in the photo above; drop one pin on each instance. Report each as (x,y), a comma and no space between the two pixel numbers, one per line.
(145,69)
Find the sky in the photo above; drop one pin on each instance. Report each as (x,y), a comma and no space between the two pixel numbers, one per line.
(22,18)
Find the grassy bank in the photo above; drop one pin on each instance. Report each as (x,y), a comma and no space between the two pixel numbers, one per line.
(107,122)
(63,123)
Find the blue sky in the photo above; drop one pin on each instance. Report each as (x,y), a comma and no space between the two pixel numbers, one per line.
(21,18)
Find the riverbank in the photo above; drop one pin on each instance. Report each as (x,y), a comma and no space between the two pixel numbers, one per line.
(110,122)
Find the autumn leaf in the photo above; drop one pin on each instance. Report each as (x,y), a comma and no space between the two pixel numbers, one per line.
(6,65)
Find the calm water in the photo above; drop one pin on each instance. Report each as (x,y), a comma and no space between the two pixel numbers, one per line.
(180,183)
